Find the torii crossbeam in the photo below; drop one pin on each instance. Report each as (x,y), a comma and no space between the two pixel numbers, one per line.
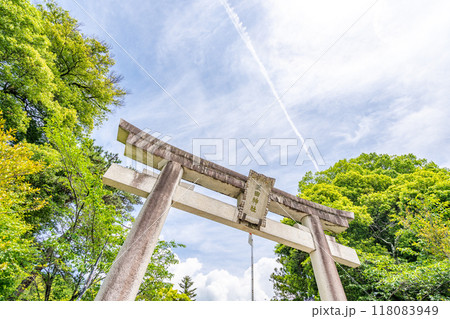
(255,196)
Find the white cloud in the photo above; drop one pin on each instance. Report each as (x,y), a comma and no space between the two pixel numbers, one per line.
(220,285)
(426,130)
(187,268)
(393,52)
(365,127)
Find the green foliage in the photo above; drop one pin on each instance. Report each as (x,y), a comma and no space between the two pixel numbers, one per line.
(78,232)
(400,231)
(60,227)
(170,294)
(289,280)
(185,285)
(156,285)
(17,250)
(25,74)
(17,253)
(16,195)
(48,68)
(81,66)
(427,219)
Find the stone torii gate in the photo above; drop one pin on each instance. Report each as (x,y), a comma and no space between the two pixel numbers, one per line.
(255,196)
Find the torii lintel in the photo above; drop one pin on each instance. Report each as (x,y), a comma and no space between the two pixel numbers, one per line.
(153,152)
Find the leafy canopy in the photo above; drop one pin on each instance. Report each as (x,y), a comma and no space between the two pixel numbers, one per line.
(400,231)
(17,197)
(49,69)
(61,228)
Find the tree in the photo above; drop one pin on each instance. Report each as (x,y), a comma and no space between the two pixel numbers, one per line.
(49,68)
(400,231)
(17,251)
(79,231)
(25,74)
(55,85)
(289,280)
(156,284)
(185,285)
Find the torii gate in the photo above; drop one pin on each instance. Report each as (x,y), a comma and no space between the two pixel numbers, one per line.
(255,197)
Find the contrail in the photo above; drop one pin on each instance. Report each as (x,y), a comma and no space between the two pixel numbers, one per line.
(246,38)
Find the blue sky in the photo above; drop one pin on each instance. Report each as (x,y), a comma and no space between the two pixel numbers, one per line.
(355,76)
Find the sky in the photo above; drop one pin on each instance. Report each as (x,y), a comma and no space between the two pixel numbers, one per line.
(345,76)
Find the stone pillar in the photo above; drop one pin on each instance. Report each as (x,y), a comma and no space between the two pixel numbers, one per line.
(128,270)
(325,271)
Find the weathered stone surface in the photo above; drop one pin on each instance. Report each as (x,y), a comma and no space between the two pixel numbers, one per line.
(128,270)
(325,272)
